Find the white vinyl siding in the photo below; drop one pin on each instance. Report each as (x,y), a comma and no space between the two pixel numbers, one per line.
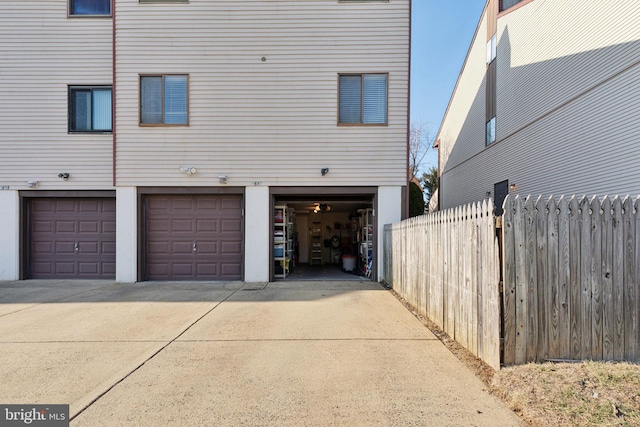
(567,105)
(584,43)
(271,121)
(558,154)
(463,130)
(43,53)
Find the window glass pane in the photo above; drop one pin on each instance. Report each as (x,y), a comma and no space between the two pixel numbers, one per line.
(151,100)
(491,131)
(81,110)
(494,46)
(350,99)
(102,109)
(506,4)
(375,98)
(491,49)
(175,100)
(90,7)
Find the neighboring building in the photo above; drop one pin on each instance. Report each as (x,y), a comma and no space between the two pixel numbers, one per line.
(152,140)
(547,102)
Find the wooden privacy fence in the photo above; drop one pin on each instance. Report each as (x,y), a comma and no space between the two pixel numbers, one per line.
(446,265)
(571,279)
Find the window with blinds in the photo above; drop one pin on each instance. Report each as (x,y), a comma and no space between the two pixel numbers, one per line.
(163,100)
(90,109)
(362,99)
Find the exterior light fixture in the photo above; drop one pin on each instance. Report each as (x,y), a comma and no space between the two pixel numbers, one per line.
(189,170)
(512,187)
(64,176)
(222,179)
(324,171)
(32,184)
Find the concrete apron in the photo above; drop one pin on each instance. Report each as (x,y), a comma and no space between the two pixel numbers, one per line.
(284,353)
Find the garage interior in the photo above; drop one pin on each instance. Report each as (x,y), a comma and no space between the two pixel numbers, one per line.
(323,237)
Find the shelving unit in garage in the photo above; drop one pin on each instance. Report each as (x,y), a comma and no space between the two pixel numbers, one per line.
(366,240)
(316,243)
(283,231)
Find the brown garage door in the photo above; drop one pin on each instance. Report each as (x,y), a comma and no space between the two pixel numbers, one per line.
(194,237)
(72,238)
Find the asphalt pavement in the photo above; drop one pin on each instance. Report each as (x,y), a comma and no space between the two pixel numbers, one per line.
(232,354)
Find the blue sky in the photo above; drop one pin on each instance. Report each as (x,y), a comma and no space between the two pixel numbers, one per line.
(441,34)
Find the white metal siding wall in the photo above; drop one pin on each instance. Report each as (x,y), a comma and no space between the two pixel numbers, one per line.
(462,133)
(597,154)
(552,51)
(569,101)
(44,51)
(272,121)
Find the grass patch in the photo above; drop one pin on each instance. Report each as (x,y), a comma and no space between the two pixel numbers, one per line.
(576,394)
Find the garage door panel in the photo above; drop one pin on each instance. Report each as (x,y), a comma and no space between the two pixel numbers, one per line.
(179,222)
(65,227)
(88,248)
(228,203)
(66,268)
(208,270)
(182,226)
(108,269)
(65,205)
(157,269)
(58,225)
(207,248)
(42,267)
(158,225)
(158,247)
(42,226)
(108,247)
(65,247)
(42,247)
(207,225)
(231,248)
(88,227)
(158,204)
(209,204)
(230,270)
(88,206)
(182,204)
(109,227)
(42,206)
(183,270)
(230,225)
(88,268)
(182,248)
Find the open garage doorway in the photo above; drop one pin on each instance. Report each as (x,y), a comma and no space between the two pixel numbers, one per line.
(324,236)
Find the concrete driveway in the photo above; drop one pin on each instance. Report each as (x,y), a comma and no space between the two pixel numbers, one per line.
(192,354)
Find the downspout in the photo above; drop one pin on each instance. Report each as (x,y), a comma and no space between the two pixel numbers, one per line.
(113,90)
(407,188)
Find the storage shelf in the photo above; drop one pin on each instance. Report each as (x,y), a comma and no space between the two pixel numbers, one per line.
(283,230)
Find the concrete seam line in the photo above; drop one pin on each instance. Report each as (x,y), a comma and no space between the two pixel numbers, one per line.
(144,362)
(38,304)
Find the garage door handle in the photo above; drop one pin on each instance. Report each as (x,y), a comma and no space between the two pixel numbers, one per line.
(194,247)
(76,248)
